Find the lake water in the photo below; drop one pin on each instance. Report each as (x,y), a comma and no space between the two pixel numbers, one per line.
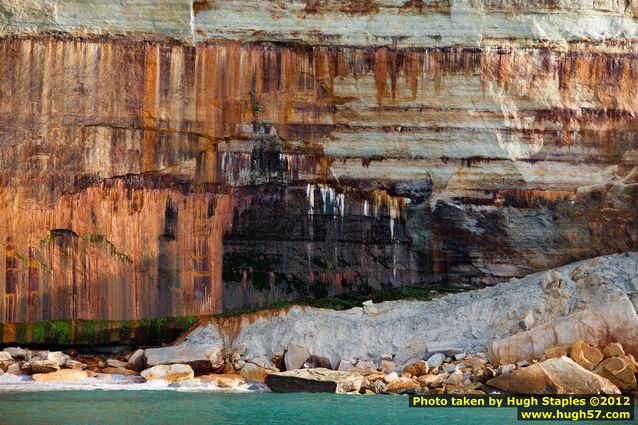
(173,407)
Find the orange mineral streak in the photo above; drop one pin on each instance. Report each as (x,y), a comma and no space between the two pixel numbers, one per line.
(108,253)
(150,111)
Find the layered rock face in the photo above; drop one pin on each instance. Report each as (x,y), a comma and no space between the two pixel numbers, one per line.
(185,158)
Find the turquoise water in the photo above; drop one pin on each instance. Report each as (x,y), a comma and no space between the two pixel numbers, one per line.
(169,407)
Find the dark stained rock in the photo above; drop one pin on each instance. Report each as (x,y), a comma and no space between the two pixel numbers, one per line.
(317,361)
(292,384)
(314,381)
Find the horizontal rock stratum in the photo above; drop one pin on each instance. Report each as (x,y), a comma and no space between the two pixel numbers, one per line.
(193,157)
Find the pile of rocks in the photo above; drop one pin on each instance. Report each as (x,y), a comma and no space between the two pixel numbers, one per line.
(169,364)
(587,370)
(67,366)
(460,373)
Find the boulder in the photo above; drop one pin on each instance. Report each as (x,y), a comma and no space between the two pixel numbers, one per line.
(252,372)
(262,361)
(295,356)
(418,368)
(451,368)
(35,366)
(610,322)
(403,386)
(314,380)
(432,381)
(585,355)
(15,369)
(57,357)
(631,361)
(555,352)
(74,364)
(376,387)
(198,357)
(137,361)
(376,376)
(62,375)
(365,366)
(92,363)
(229,381)
(116,363)
(460,356)
(613,349)
(119,371)
(36,355)
(169,373)
(387,365)
(16,352)
(316,361)
(5,360)
(435,360)
(390,377)
(458,378)
(553,376)
(619,371)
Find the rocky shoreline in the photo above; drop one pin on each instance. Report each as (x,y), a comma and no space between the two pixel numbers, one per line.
(584,369)
(572,330)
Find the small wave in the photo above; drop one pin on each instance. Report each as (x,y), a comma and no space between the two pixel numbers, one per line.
(24,383)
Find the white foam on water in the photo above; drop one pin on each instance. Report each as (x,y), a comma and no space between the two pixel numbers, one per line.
(24,383)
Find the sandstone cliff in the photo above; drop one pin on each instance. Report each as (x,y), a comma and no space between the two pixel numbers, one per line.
(183,158)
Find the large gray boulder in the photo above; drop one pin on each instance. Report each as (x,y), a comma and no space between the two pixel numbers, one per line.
(16,352)
(137,361)
(197,356)
(295,356)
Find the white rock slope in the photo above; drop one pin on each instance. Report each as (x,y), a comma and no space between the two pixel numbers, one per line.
(410,329)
